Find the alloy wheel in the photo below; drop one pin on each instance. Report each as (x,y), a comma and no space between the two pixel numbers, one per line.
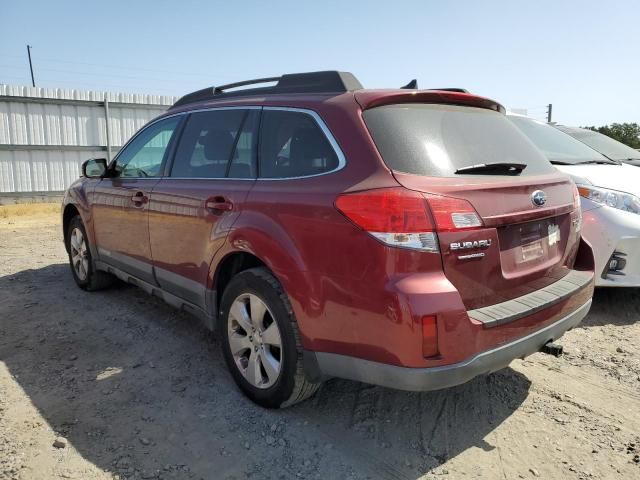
(79,254)
(254,340)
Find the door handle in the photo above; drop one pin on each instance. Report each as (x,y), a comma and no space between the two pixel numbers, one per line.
(139,199)
(218,204)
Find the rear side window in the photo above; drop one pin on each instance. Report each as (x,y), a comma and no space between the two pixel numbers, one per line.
(436,140)
(217,144)
(293,145)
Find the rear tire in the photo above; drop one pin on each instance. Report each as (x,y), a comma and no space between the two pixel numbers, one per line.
(80,260)
(261,341)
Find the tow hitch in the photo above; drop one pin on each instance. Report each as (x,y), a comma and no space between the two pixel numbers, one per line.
(551,348)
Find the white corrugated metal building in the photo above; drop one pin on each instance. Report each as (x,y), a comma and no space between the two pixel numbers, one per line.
(46,133)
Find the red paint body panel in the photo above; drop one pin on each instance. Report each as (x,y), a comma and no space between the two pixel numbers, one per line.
(120,225)
(185,235)
(351,294)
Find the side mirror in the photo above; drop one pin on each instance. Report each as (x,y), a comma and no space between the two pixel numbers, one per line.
(94,168)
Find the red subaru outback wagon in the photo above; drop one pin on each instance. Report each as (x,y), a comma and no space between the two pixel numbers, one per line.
(407,238)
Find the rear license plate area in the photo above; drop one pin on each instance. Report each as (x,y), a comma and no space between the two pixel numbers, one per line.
(531,246)
(525,247)
(537,240)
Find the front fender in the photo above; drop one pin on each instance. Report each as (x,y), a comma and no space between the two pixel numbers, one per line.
(78,196)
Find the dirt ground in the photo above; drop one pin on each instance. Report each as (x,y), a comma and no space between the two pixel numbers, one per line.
(137,390)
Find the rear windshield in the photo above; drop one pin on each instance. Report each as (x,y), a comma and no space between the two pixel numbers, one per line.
(556,145)
(436,140)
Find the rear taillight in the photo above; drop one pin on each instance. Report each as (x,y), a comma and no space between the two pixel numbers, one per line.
(402,218)
(396,216)
(453,214)
(577,208)
(576,197)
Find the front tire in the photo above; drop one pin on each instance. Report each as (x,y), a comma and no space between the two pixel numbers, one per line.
(261,341)
(80,260)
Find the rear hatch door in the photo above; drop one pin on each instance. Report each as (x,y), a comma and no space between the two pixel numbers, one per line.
(528,235)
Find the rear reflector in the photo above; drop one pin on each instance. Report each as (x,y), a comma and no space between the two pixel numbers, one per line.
(401,218)
(429,336)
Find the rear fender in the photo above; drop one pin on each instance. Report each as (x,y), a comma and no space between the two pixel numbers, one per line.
(263,238)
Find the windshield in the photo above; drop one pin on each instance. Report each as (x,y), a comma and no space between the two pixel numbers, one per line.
(556,145)
(437,140)
(605,145)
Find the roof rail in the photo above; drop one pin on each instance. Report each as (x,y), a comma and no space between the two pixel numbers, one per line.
(328,81)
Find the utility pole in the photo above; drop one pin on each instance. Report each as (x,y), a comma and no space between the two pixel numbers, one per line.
(549,109)
(33,81)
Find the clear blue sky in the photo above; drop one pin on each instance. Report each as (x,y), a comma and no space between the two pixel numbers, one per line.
(582,56)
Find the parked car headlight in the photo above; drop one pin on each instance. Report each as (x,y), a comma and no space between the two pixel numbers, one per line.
(611,198)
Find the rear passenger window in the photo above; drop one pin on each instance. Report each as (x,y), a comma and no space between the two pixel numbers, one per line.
(217,144)
(293,145)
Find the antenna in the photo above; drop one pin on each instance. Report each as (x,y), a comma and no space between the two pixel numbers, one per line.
(412,85)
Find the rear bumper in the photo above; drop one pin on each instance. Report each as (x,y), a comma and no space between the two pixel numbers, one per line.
(435,378)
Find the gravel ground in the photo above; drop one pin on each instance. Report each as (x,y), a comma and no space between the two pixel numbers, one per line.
(116,384)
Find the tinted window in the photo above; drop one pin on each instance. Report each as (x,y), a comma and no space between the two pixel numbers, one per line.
(293,145)
(217,144)
(606,145)
(243,163)
(557,146)
(143,157)
(436,140)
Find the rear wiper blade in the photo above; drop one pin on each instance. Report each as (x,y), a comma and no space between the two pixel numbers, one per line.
(495,168)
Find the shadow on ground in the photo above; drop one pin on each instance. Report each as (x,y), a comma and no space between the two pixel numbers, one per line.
(613,306)
(140,389)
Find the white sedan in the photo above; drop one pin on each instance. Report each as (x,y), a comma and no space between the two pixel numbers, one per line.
(609,192)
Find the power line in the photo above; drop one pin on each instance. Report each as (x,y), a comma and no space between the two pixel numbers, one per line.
(103,65)
(96,74)
(53,83)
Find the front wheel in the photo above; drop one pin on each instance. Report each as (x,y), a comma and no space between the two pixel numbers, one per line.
(261,342)
(84,273)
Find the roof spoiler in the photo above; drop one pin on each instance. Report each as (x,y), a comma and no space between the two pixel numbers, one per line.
(376,98)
